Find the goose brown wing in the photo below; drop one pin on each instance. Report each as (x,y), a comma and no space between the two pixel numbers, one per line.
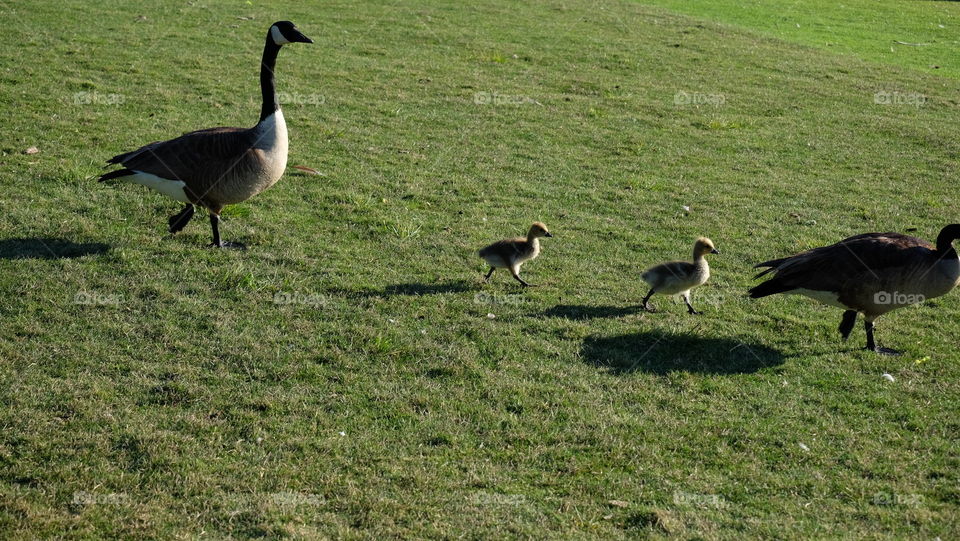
(861,258)
(197,158)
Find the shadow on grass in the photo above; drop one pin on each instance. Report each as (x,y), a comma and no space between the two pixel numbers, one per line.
(408,289)
(48,248)
(576,311)
(659,352)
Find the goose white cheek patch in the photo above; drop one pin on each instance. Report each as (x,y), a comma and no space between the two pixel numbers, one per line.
(277,36)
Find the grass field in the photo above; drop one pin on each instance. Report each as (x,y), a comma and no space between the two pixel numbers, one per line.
(351,376)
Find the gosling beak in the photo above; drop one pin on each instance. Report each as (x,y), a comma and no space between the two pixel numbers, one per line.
(299,37)
(547,234)
(714,251)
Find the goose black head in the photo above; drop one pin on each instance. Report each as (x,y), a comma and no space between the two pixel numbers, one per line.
(282,32)
(946,237)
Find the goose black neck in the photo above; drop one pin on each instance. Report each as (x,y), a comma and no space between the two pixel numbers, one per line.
(267,86)
(946,237)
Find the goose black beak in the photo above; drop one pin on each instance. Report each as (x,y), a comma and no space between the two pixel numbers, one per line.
(299,38)
(547,235)
(715,251)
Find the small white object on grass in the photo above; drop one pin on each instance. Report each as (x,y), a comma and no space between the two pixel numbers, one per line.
(888,377)
(491,316)
(804,447)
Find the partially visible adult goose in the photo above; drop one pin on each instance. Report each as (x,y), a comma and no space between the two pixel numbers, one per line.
(511,253)
(680,276)
(871,274)
(216,167)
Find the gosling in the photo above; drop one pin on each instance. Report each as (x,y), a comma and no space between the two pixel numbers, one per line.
(680,276)
(511,253)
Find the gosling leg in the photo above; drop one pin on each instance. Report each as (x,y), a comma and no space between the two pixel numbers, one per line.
(646,306)
(516,275)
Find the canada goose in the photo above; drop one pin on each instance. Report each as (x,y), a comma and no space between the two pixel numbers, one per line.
(680,276)
(511,253)
(871,274)
(218,166)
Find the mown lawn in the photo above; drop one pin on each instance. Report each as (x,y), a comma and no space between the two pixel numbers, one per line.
(351,376)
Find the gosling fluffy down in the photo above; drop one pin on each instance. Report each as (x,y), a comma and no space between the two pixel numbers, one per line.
(511,253)
(679,277)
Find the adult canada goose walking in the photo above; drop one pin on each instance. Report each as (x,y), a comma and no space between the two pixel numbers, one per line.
(216,167)
(871,274)
(680,276)
(511,253)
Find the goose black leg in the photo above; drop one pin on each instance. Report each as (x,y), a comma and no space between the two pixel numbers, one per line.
(217,243)
(690,309)
(847,323)
(872,346)
(489,274)
(179,221)
(646,306)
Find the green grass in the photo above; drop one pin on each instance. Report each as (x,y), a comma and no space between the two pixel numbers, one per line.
(377,397)
(921,35)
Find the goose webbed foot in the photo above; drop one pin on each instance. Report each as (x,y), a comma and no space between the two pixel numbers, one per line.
(885,351)
(180,220)
(872,345)
(690,309)
(217,243)
(228,245)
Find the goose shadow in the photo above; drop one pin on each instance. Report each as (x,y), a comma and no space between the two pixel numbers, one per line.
(48,248)
(581,312)
(659,352)
(406,289)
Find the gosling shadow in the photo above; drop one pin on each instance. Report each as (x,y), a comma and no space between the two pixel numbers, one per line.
(48,248)
(581,312)
(406,289)
(660,352)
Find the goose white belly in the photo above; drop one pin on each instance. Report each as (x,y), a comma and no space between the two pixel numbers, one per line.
(169,188)
(829,298)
